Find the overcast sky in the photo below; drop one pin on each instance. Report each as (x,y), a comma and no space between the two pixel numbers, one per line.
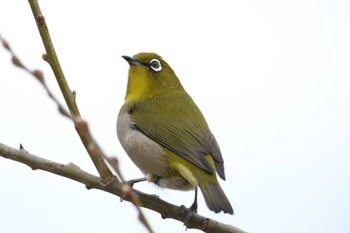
(271,77)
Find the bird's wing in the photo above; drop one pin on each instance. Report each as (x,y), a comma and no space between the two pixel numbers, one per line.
(182,136)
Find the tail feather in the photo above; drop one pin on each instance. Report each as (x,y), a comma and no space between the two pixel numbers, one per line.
(215,197)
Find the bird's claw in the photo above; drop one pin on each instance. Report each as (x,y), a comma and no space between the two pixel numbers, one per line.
(131,184)
(190,211)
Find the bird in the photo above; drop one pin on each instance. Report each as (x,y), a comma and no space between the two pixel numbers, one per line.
(166,136)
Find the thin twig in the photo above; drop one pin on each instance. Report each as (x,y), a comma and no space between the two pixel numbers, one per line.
(152,202)
(128,191)
(37,74)
(69,96)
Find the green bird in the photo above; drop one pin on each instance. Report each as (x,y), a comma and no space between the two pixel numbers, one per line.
(165,134)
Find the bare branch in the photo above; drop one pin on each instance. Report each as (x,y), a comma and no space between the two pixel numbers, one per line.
(37,74)
(128,191)
(152,202)
(69,96)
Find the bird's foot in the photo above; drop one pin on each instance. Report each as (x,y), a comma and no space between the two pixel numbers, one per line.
(134,181)
(190,211)
(131,184)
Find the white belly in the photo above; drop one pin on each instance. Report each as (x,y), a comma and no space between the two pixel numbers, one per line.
(147,154)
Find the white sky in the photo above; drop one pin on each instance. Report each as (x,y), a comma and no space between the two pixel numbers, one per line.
(271,77)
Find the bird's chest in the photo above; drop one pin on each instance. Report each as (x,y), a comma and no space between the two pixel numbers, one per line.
(147,154)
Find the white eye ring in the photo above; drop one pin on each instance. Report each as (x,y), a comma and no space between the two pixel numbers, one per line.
(155,65)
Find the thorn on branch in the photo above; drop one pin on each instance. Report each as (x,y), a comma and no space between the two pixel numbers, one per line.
(22,148)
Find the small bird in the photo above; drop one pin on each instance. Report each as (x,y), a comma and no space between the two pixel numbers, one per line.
(165,134)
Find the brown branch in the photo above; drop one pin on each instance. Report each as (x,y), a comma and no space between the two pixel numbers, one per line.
(94,151)
(37,74)
(69,96)
(114,187)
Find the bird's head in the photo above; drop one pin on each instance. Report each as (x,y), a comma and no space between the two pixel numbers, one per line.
(149,75)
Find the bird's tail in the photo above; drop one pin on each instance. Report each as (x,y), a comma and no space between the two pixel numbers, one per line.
(215,197)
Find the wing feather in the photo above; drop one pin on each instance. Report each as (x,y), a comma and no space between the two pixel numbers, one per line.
(170,126)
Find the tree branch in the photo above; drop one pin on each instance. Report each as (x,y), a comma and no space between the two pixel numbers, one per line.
(37,74)
(69,96)
(152,202)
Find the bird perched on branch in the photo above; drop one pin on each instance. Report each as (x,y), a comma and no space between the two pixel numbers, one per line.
(165,134)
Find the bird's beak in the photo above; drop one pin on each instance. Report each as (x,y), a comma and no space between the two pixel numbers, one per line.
(132,61)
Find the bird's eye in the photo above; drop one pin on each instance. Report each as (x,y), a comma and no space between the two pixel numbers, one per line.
(155,65)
